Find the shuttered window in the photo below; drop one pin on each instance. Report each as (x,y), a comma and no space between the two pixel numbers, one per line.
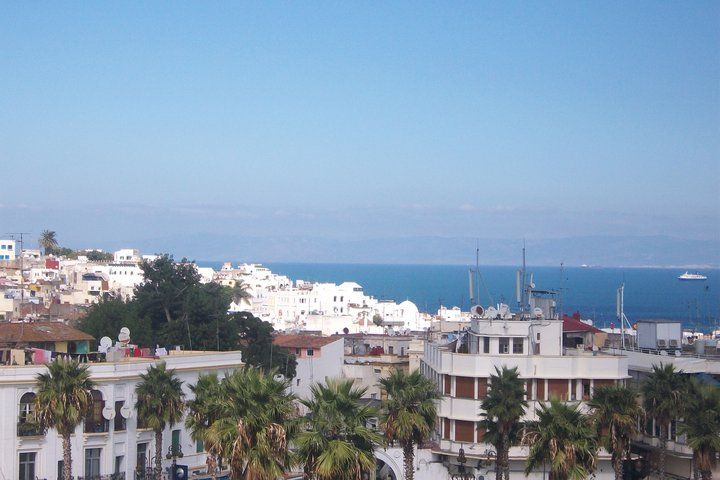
(558,388)
(464,431)
(540,389)
(482,387)
(446,429)
(446,389)
(464,387)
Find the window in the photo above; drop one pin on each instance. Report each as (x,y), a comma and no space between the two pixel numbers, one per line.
(341,298)
(199,446)
(486,344)
(517,345)
(120,423)
(141,458)
(464,387)
(538,336)
(334,299)
(390,350)
(310,352)
(92,462)
(119,464)
(3,246)
(94,421)
(297,351)
(297,382)
(504,345)
(27,466)
(175,443)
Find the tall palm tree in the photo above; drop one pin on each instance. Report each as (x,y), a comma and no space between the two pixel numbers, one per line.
(563,438)
(663,393)
(702,426)
(254,424)
(62,401)
(240,292)
(409,413)
(160,402)
(615,414)
(503,408)
(337,444)
(202,412)
(48,240)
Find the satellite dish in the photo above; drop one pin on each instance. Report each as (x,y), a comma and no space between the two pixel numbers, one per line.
(105,344)
(108,413)
(124,336)
(477,311)
(537,312)
(126,411)
(491,312)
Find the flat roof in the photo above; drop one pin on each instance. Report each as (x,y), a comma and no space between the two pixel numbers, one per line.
(303,341)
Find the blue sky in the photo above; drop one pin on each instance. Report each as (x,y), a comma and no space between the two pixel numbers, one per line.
(538,118)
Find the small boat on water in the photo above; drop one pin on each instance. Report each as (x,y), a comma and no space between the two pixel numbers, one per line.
(692,276)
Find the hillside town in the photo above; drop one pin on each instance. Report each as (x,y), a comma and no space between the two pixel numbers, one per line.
(483,387)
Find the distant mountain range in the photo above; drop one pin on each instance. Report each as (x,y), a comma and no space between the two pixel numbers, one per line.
(628,251)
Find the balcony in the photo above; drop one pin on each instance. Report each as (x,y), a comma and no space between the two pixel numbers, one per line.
(29,429)
(96,426)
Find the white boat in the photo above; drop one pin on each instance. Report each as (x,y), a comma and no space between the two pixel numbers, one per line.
(692,276)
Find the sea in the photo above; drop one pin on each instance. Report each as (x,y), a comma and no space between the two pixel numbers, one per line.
(650,293)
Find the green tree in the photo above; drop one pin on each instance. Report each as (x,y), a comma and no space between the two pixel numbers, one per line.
(256,344)
(254,424)
(503,408)
(615,413)
(202,412)
(701,425)
(48,241)
(409,412)
(160,403)
(110,314)
(663,399)
(63,399)
(337,444)
(377,319)
(563,438)
(164,285)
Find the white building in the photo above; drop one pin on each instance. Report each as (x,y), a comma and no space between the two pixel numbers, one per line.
(7,250)
(535,347)
(110,441)
(129,255)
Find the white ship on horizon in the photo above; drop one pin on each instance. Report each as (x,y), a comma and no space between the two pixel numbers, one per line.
(692,276)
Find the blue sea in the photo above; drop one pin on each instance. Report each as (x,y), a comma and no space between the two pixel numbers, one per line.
(650,293)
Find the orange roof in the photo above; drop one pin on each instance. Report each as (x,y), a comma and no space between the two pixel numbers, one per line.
(40,332)
(303,341)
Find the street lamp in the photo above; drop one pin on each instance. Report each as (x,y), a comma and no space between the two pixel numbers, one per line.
(175,452)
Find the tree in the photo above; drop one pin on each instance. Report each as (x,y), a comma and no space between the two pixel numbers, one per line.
(109,315)
(159,404)
(409,412)
(563,438)
(615,413)
(202,412)
(377,319)
(337,444)
(256,344)
(254,424)
(503,408)
(48,241)
(701,425)
(241,292)
(63,400)
(165,283)
(663,393)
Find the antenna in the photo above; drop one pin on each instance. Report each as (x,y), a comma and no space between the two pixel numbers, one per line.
(620,312)
(22,276)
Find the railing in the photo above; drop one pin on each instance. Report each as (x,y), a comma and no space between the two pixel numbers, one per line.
(665,352)
(112,476)
(29,429)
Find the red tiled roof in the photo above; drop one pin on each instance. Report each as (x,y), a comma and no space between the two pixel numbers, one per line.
(40,332)
(303,341)
(571,324)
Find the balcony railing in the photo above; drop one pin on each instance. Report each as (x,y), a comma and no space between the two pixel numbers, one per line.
(112,476)
(29,429)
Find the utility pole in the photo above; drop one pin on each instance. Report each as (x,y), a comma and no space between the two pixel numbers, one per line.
(22,276)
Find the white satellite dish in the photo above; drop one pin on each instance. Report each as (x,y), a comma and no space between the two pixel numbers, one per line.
(108,413)
(491,312)
(477,311)
(537,312)
(124,336)
(105,344)
(126,411)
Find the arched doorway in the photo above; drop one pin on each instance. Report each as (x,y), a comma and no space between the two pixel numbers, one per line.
(383,471)
(386,465)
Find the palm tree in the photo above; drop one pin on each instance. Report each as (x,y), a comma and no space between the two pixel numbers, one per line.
(48,241)
(702,427)
(503,408)
(202,412)
(615,413)
(663,393)
(240,292)
(159,404)
(562,437)
(254,424)
(337,444)
(62,401)
(409,413)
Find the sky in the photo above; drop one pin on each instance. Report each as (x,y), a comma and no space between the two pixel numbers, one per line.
(137,120)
